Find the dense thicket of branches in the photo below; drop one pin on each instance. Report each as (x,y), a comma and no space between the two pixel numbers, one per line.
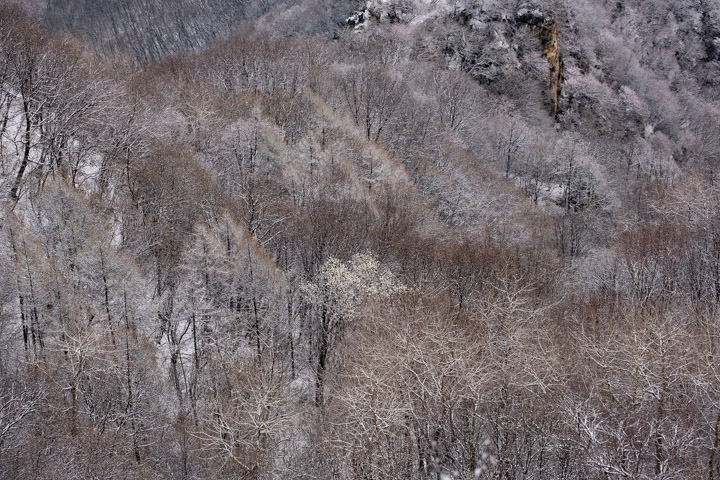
(293,244)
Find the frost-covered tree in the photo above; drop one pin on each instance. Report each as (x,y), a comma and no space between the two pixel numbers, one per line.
(334,296)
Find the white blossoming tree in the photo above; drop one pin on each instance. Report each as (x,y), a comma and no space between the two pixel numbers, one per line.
(334,297)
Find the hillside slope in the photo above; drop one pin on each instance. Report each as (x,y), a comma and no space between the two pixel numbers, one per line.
(417,239)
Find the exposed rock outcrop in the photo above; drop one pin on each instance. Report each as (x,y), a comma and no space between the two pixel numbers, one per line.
(483,41)
(551,49)
(534,17)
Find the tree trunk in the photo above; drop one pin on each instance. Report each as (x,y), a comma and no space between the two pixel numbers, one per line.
(26,150)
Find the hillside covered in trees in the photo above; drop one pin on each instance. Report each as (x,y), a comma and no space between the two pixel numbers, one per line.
(416,239)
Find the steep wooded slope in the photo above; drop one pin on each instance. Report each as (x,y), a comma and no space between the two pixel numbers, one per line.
(366,240)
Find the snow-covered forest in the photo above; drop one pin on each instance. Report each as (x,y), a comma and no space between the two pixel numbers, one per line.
(416,239)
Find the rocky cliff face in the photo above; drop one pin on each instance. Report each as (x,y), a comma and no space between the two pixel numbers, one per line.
(551,50)
(489,42)
(535,18)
